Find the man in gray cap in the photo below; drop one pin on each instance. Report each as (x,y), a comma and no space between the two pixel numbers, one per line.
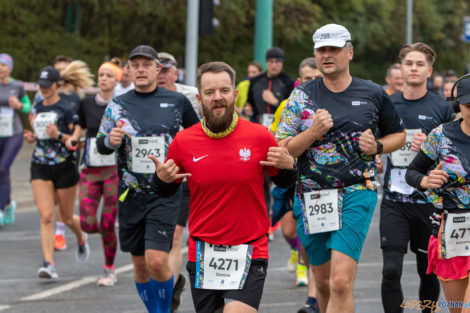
(338,124)
(167,78)
(136,124)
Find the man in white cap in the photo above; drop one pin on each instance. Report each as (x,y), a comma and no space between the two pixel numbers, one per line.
(338,124)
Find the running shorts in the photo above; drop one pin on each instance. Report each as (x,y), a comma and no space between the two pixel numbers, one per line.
(147,221)
(207,301)
(358,207)
(62,175)
(401,223)
(446,269)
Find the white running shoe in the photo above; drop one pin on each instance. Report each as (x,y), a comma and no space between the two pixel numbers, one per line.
(47,271)
(108,279)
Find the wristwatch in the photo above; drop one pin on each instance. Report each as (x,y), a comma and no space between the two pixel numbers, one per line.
(380,147)
(59,137)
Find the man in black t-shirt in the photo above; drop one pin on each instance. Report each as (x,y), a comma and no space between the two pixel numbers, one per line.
(140,122)
(335,121)
(404,212)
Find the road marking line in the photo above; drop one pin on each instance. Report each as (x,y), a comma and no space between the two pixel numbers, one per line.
(78,283)
(4,307)
(60,289)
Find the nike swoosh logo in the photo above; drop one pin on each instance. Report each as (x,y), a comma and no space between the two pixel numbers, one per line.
(200,158)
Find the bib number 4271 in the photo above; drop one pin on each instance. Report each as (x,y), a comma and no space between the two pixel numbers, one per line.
(220,267)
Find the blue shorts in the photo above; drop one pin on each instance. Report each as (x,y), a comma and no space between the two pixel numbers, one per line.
(358,207)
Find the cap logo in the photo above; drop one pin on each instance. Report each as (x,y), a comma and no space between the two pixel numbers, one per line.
(43,75)
(325,36)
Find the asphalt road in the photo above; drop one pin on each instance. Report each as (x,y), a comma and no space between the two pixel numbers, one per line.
(76,291)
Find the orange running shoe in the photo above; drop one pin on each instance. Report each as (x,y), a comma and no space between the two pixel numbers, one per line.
(59,243)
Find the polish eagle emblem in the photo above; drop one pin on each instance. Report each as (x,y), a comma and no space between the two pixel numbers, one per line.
(245,154)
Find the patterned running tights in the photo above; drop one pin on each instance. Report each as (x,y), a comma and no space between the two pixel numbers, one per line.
(94,183)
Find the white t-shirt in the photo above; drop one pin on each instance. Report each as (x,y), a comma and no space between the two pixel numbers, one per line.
(190,93)
(119,90)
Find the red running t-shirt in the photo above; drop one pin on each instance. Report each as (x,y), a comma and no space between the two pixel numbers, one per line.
(226,187)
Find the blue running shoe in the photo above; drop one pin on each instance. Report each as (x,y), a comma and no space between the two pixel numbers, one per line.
(9,214)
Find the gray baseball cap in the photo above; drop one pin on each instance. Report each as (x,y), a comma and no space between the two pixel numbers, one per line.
(167,60)
(144,51)
(331,35)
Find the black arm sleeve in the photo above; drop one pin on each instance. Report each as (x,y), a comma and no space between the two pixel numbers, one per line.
(163,189)
(285,178)
(418,168)
(101,146)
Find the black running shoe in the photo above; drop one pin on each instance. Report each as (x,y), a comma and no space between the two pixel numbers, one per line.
(309,309)
(177,291)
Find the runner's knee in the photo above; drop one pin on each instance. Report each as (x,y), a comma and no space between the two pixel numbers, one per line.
(341,284)
(392,268)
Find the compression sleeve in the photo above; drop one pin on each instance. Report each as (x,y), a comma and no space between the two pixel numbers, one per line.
(285,178)
(26,104)
(163,189)
(418,168)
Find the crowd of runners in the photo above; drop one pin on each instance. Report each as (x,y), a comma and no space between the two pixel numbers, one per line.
(233,163)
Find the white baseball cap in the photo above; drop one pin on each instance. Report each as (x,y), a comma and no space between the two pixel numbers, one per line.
(332,35)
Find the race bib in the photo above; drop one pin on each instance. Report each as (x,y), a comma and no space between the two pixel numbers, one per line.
(405,155)
(398,182)
(6,122)
(222,267)
(267,119)
(455,235)
(40,123)
(94,158)
(322,211)
(141,148)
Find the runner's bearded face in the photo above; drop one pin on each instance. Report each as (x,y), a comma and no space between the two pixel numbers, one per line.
(415,68)
(218,97)
(106,80)
(144,73)
(333,61)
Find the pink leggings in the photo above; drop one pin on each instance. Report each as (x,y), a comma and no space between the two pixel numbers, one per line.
(94,183)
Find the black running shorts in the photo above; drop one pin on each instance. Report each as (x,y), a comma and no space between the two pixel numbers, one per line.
(62,175)
(401,223)
(207,301)
(147,221)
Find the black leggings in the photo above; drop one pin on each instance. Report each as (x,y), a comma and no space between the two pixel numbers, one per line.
(392,294)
